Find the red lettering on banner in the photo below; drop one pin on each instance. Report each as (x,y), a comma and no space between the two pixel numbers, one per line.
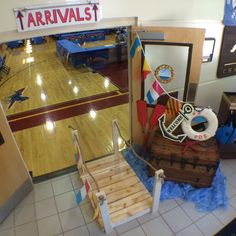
(31,20)
(200,136)
(87,13)
(72,15)
(39,18)
(54,12)
(65,17)
(48,17)
(78,15)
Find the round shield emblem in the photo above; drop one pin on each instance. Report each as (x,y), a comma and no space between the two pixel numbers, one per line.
(164,73)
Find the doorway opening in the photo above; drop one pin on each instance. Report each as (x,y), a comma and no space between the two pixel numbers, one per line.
(78,80)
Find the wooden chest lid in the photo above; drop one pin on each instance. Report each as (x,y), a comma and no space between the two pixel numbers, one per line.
(205,152)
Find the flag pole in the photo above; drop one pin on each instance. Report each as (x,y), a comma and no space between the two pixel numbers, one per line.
(165,92)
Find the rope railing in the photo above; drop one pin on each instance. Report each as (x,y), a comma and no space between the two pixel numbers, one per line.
(133,150)
(165,92)
(84,164)
(128,145)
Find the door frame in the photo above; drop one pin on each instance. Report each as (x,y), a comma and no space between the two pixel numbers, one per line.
(194,36)
(15,180)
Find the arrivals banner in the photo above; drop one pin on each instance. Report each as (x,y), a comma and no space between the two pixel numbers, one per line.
(49,16)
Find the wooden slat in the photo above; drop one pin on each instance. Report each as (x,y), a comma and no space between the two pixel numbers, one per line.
(101,161)
(121,185)
(128,201)
(166,142)
(164,148)
(100,171)
(110,172)
(113,179)
(117,186)
(131,210)
(105,165)
(126,195)
(122,193)
(170,148)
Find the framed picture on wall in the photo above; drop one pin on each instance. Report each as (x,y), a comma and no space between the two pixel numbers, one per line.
(227,60)
(208,49)
(170,63)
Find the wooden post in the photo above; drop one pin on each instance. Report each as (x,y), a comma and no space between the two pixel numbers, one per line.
(67,58)
(157,189)
(102,201)
(115,136)
(75,138)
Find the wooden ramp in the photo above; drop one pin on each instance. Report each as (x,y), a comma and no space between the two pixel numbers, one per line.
(116,193)
(126,195)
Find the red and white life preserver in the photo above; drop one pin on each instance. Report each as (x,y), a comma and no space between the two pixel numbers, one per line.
(210,130)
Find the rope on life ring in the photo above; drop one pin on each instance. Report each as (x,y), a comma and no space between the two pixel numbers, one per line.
(210,130)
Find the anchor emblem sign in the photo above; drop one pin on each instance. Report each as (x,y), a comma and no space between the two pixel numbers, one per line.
(184,114)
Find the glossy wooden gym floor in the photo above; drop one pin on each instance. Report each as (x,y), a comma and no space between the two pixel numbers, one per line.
(60,96)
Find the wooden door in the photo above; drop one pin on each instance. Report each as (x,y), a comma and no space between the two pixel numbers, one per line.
(188,37)
(15,182)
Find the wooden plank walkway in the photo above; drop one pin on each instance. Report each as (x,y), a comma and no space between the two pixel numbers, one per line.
(126,195)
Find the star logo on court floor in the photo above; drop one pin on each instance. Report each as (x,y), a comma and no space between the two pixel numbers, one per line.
(17,97)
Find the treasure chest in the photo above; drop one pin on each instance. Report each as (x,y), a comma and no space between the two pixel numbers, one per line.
(227,151)
(188,162)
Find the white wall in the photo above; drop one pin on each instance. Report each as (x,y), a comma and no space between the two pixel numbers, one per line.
(190,13)
(145,10)
(210,87)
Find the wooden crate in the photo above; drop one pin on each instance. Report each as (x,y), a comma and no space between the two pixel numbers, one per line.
(127,197)
(227,151)
(116,193)
(227,105)
(196,167)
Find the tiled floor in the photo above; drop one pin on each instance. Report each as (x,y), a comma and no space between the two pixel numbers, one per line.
(51,209)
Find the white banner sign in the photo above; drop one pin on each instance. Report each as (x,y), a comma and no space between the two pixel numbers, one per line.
(34,18)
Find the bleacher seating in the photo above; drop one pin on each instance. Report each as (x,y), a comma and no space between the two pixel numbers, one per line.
(3,67)
(85,36)
(15,44)
(37,40)
(79,55)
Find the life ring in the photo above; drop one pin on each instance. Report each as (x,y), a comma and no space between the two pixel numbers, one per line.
(210,130)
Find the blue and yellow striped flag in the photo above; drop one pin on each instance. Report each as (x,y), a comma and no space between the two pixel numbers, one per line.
(136,46)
